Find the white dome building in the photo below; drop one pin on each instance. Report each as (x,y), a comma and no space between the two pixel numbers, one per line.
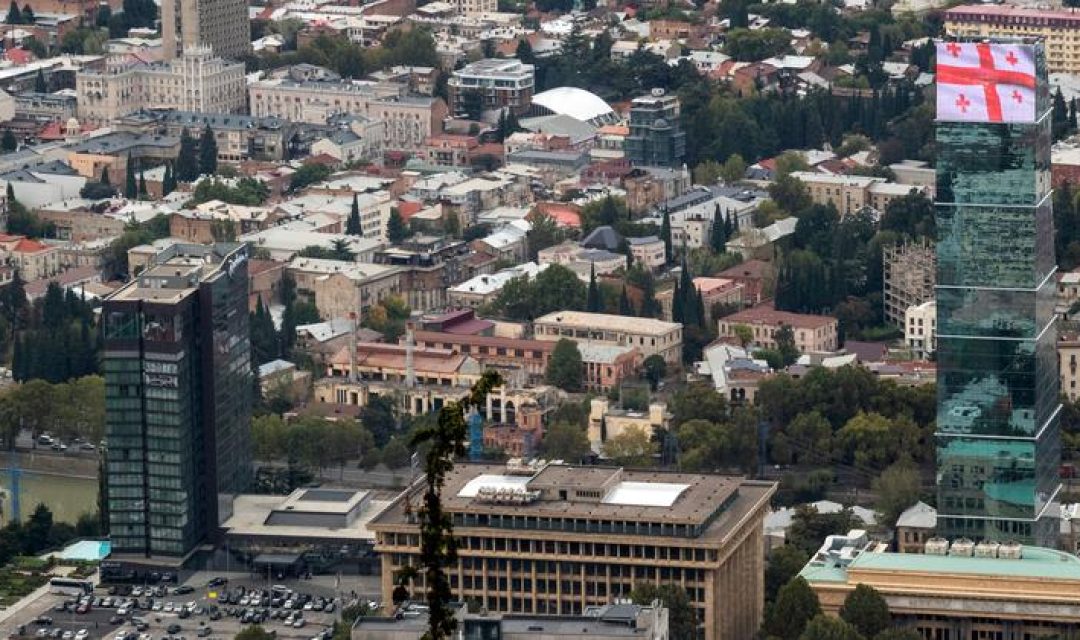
(579,104)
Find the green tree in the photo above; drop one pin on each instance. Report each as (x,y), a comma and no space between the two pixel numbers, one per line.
(824,627)
(131,184)
(911,215)
(186,167)
(633,447)
(388,317)
(565,369)
(866,611)
(785,562)
(593,302)
(897,488)
(208,152)
(395,454)
(750,46)
(40,85)
(665,235)
(744,334)
(14,16)
(544,233)
(790,194)
(564,441)
(254,632)
(785,345)
(8,142)
(168,183)
(796,605)
(396,229)
(264,341)
(445,441)
(352,223)
(143,192)
(809,528)
(309,173)
(681,619)
(655,368)
(734,169)
(38,529)
(707,172)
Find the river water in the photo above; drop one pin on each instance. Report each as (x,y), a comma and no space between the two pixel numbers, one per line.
(68,497)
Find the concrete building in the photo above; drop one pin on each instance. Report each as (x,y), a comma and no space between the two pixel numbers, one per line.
(314,101)
(178,383)
(1068,354)
(195,81)
(492,351)
(850,194)
(915,526)
(238,137)
(43,107)
(656,137)
(338,288)
(648,251)
(360,140)
(651,337)
(962,590)
(221,25)
(1057,27)
(909,272)
(483,289)
(555,539)
(606,622)
(920,329)
(813,333)
(491,85)
(33,259)
(607,422)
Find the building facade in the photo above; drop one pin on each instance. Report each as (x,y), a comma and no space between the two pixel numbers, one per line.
(650,336)
(909,272)
(656,139)
(812,333)
(195,81)
(178,384)
(556,539)
(997,434)
(222,25)
(492,84)
(920,329)
(1058,28)
(851,194)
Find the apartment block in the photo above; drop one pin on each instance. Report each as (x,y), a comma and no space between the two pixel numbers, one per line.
(850,194)
(1058,28)
(909,273)
(221,25)
(813,333)
(492,84)
(557,539)
(920,329)
(656,137)
(651,337)
(1068,353)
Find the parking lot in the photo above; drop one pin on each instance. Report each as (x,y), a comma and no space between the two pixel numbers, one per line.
(171,613)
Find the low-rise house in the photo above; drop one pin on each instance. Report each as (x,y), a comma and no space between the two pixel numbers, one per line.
(812,333)
(483,289)
(607,422)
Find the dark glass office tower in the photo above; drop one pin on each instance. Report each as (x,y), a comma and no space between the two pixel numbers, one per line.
(998,445)
(178,385)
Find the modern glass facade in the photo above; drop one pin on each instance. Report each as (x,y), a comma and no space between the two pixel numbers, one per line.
(656,137)
(178,384)
(998,446)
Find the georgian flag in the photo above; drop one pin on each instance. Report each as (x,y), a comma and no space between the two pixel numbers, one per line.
(985,82)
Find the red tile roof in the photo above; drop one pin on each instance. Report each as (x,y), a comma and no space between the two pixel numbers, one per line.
(19,56)
(30,246)
(766,314)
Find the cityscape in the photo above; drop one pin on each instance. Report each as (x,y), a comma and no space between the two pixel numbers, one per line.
(539,319)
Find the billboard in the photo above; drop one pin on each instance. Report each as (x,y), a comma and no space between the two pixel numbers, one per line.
(985,82)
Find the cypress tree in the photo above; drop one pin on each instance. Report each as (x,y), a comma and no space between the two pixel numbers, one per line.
(665,235)
(593,302)
(40,86)
(625,307)
(208,152)
(352,223)
(14,16)
(105,176)
(187,162)
(1072,115)
(142,184)
(168,183)
(131,187)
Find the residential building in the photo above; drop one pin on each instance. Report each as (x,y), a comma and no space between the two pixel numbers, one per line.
(909,272)
(813,333)
(957,590)
(656,137)
(238,137)
(360,140)
(178,383)
(313,100)
(756,276)
(607,421)
(339,288)
(1057,28)
(45,107)
(491,351)
(1068,353)
(80,223)
(492,84)
(429,265)
(448,150)
(112,151)
(606,622)
(483,289)
(650,336)
(851,194)
(920,329)
(556,539)
(998,432)
(648,251)
(196,81)
(476,7)
(264,283)
(34,259)
(716,294)
(915,526)
(213,220)
(222,25)
(734,372)
(606,366)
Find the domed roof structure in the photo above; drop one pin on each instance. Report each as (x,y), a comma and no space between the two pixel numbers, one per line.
(579,104)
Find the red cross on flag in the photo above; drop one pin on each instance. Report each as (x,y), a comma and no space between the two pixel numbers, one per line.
(985,82)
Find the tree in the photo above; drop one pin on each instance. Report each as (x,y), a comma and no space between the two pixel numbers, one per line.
(824,627)
(396,229)
(544,233)
(681,622)
(38,528)
(40,85)
(665,235)
(254,632)
(718,235)
(186,167)
(142,185)
(785,345)
(655,370)
(168,183)
(897,488)
(388,317)
(438,549)
(1060,116)
(309,173)
(131,184)
(785,562)
(911,215)
(633,447)
(352,223)
(750,46)
(809,528)
(626,308)
(734,169)
(208,152)
(565,369)
(593,303)
(8,142)
(796,605)
(564,441)
(790,193)
(866,611)
(264,341)
(744,334)
(13,15)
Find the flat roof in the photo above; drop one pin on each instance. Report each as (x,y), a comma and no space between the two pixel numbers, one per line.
(250,514)
(602,321)
(645,494)
(1036,562)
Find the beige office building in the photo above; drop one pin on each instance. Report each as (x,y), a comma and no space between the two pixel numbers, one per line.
(222,25)
(196,81)
(648,335)
(849,194)
(557,539)
(1058,28)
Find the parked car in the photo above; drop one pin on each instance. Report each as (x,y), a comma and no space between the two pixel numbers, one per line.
(172,629)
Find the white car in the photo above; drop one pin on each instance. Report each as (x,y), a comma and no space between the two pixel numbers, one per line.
(298,623)
(137,592)
(308,606)
(158,606)
(169,607)
(123,611)
(68,635)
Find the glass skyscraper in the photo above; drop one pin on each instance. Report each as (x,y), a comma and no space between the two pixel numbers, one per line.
(178,392)
(998,441)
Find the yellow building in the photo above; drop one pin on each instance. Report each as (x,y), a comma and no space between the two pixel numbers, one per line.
(1058,28)
(962,591)
(556,539)
(651,337)
(606,422)
(849,194)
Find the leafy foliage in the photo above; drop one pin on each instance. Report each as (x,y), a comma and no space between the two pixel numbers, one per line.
(555,289)
(565,369)
(681,619)
(796,605)
(866,611)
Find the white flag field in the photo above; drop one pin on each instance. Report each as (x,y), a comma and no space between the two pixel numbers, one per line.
(985,82)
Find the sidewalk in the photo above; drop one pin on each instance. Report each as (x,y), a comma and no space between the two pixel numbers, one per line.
(23,603)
